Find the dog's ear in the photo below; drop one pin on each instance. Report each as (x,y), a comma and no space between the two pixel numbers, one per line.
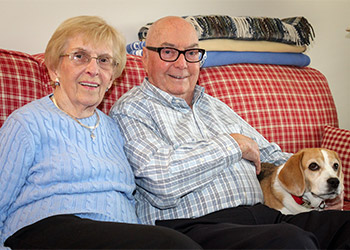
(292,176)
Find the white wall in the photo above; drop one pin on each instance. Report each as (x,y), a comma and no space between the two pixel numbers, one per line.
(26,25)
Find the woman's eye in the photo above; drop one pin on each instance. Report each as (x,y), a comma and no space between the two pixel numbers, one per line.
(78,56)
(104,59)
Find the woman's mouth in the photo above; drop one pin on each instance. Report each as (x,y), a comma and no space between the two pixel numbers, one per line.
(89,84)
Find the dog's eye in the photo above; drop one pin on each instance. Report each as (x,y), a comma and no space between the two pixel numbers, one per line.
(335,166)
(313,166)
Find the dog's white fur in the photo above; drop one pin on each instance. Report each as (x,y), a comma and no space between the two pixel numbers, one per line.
(313,174)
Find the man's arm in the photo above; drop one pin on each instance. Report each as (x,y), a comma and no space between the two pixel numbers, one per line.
(166,172)
(174,153)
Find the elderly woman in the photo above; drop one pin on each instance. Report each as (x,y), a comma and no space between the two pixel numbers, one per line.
(64,179)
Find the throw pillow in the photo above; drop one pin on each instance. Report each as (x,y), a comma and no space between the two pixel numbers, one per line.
(339,140)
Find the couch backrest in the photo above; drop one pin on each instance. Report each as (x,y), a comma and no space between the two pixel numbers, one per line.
(289,105)
(21,81)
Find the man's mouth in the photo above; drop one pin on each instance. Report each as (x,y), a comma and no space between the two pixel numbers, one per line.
(178,77)
(89,84)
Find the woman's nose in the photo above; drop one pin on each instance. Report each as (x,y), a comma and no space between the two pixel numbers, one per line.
(92,67)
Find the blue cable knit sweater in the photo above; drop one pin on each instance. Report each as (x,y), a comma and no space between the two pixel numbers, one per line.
(49,165)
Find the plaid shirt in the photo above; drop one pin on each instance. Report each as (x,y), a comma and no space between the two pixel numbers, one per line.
(185,162)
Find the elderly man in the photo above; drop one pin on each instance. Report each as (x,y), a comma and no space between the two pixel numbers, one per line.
(195,160)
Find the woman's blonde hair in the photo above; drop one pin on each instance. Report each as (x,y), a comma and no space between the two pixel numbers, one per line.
(95,30)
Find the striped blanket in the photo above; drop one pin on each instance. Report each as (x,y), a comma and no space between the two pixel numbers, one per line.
(293,30)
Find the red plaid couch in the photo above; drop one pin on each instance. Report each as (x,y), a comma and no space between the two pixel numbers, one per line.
(289,105)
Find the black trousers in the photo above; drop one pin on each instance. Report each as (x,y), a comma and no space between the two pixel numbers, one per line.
(260,227)
(71,232)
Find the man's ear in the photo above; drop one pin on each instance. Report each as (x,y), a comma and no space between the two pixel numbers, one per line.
(144,58)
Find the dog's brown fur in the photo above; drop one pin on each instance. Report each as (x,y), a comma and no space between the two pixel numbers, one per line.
(296,177)
(271,197)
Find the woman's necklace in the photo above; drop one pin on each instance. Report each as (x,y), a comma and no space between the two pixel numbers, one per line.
(91,128)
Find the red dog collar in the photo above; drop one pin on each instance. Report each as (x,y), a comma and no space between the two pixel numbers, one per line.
(298,199)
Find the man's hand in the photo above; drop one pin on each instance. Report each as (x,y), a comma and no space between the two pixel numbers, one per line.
(337,203)
(250,150)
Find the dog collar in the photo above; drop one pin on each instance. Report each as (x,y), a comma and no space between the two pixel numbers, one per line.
(298,199)
(305,203)
(301,201)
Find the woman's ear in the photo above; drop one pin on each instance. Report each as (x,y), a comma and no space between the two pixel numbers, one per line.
(110,84)
(53,74)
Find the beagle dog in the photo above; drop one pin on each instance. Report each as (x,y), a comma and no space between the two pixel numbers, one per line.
(304,182)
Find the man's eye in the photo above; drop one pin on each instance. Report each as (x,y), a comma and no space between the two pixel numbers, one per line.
(168,51)
(192,52)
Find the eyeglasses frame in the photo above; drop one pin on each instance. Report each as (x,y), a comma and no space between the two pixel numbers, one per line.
(71,54)
(159,49)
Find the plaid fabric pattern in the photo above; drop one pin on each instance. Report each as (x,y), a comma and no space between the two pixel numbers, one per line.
(167,142)
(46,81)
(346,205)
(288,105)
(21,81)
(338,140)
(132,75)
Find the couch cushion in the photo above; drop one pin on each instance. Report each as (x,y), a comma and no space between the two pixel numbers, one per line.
(20,81)
(133,75)
(339,140)
(287,104)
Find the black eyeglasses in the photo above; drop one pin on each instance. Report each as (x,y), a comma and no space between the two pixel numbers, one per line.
(82,58)
(171,54)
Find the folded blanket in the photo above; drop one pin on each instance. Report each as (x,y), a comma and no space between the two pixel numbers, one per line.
(240,45)
(136,52)
(218,58)
(134,46)
(293,30)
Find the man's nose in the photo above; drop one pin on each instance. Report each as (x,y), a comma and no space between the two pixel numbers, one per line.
(181,61)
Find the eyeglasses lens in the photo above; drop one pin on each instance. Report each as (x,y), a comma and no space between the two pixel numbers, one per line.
(81,58)
(171,55)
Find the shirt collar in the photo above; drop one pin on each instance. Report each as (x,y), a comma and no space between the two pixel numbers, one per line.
(171,100)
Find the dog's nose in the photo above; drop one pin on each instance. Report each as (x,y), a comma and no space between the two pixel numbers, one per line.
(333,182)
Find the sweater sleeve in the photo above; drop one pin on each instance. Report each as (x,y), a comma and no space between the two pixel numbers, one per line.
(16,156)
